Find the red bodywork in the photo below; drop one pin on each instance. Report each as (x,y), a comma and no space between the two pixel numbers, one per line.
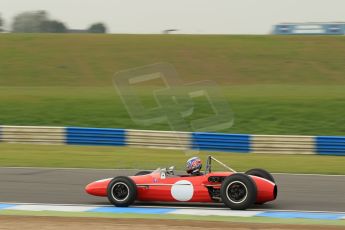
(152,187)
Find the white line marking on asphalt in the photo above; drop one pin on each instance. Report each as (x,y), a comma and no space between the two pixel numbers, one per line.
(40,168)
(168,207)
(83,205)
(216,212)
(278,173)
(58,208)
(307,174)
(286,210)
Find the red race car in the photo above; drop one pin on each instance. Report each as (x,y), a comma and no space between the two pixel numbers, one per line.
(236,190)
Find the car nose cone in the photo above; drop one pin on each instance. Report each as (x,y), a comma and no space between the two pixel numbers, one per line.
(98,188)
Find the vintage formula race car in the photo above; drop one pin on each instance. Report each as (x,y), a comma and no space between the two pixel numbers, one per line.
(236,190)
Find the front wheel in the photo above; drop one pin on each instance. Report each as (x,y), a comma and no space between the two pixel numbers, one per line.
(238,191)
(122,191)
(261,173)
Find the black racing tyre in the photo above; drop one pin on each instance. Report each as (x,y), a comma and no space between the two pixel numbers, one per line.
(122,191)
(238,191)
(261,173)
(140,173)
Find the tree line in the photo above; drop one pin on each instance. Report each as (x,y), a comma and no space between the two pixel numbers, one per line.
(40,22)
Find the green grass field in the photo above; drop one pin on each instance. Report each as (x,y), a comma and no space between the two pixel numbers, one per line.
(270,109)
(91,60)
(274,84)
(22,155)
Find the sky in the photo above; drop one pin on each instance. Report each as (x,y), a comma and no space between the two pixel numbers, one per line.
(188,16)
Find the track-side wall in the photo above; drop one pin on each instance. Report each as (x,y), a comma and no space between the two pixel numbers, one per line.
(238,143)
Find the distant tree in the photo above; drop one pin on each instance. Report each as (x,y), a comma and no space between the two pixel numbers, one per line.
(97,28)
(1,24)
(53,26)
(29,22)
(36,22)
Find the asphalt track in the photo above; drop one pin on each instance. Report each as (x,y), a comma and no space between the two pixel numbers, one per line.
(66,186)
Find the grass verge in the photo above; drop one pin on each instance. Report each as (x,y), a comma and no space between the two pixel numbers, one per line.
(259,109)
(274,84)
(23,155)
(264,220)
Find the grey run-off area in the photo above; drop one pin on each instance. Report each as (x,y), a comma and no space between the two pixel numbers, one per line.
(66,186)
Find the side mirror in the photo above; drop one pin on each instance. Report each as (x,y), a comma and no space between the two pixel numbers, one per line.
(172,168)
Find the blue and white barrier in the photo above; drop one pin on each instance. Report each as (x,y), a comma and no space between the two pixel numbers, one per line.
(241,143)
(331,28)
(221,142)
(94,136)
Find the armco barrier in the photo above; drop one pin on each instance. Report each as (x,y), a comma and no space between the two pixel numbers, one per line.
(158,139)
(32,134)
(330,145)
(328,28)
(95,136)
(283,144)
(221,142)
(241,143)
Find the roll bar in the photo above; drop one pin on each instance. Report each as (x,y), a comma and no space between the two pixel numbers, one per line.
(208,168)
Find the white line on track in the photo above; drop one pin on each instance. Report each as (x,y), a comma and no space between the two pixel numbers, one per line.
(172,207)
(308,174)
(40,168)
(72,168)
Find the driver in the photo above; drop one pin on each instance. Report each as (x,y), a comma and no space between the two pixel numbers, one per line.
(194,166)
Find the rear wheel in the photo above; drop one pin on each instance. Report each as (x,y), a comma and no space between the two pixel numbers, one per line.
(261,173)
(122,191)
(238,191)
